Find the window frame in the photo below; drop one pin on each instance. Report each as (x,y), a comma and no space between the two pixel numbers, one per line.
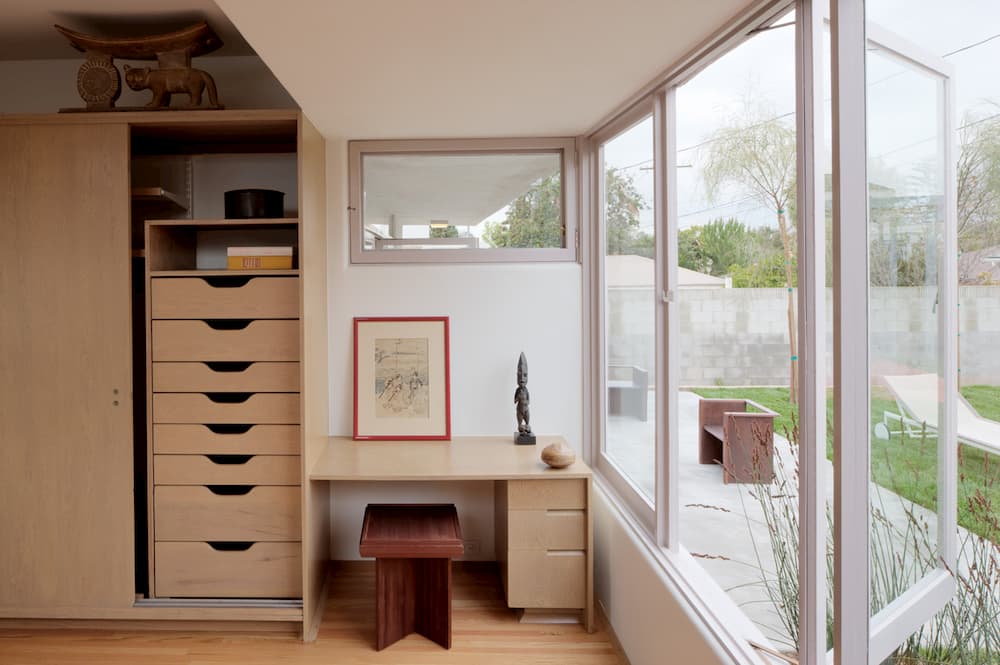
(640,505)
(565,147)
(859,638)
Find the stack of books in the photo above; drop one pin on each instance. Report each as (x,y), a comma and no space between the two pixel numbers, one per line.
(259,258)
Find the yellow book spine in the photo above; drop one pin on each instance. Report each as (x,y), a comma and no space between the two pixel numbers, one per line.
(259,263)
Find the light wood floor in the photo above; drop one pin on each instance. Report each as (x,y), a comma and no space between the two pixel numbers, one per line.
(484,632)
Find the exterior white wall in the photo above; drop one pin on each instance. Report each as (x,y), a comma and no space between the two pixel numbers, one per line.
(45,86)
(495,312)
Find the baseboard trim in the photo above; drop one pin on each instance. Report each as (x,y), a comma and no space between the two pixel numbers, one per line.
(186,625)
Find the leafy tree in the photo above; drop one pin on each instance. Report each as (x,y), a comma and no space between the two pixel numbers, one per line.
(768,273)
(534,219)
(689,254)
(728,247)
(724,243)
(623,203)
(978,176)
(756,151)
(445,232)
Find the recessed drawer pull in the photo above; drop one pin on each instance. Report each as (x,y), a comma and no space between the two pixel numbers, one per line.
(226,546)
(227,324)
(229,429)
(229,459)
(227,282)
(223,366)
(230,490)
(228,398)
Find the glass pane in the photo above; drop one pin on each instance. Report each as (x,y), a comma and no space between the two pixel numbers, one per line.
(737,262)
(630,326)
(453,201)
(906,231)
(902,102)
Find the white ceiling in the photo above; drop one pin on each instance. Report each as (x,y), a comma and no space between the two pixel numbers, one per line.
(415,68)
(367,69)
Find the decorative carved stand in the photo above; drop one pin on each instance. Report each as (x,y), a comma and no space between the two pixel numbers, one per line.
(100,84)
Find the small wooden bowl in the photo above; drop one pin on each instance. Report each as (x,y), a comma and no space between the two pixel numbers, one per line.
(558,455)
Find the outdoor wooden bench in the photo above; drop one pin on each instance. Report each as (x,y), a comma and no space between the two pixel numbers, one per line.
(741,441)
(412,546)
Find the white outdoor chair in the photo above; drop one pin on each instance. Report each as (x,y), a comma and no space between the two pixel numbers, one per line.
(917,400)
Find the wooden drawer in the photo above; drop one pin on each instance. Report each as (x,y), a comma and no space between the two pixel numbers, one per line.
(198,513)
(226,377)
(227,470)
(224,298)
(276,340)
(547,494)
(546,579)
(259,408)
(547,529)
(226,439)
(198,570)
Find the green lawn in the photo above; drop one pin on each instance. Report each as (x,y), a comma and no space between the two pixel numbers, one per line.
(907,465)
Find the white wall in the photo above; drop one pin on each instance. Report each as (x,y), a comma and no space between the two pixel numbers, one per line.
(639,601)
(496,312)
(45,86)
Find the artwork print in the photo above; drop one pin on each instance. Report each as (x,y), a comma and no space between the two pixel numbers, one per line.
(402,376)
(401,383)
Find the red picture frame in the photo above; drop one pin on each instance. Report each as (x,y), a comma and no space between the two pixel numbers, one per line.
(402,384)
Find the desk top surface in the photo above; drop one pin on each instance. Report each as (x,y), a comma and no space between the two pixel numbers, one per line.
(462,458)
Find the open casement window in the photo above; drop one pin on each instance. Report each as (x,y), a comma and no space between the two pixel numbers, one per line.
(901,220)
(463,200)
(624,179)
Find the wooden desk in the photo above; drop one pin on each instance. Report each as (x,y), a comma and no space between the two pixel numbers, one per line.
(543,524)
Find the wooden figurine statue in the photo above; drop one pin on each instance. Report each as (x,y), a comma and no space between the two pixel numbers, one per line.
(523,436)
(99,82)
(165,82)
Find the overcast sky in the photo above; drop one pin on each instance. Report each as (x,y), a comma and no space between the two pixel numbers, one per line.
(904,118)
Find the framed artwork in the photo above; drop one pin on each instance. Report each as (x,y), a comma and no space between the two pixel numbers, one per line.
(401,382)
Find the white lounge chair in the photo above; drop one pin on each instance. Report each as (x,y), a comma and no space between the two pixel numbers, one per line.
(917,398)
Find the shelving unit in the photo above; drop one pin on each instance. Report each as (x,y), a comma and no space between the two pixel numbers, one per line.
(80,366)
(223,362)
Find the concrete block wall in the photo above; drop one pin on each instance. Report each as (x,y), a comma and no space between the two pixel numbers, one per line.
(735,337)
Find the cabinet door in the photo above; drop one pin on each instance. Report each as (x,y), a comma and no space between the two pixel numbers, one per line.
(66,521)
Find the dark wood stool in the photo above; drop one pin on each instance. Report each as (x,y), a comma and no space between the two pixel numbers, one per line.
(412,546)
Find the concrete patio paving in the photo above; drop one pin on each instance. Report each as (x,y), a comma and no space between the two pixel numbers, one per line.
(724,525)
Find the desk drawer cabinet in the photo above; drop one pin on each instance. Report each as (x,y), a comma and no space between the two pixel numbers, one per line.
(542,540)
(225,421)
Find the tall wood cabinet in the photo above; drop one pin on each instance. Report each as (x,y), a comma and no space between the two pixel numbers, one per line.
(65,368)
(147,453)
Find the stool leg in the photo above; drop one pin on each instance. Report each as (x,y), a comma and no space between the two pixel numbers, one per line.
(434,600)
(395,600)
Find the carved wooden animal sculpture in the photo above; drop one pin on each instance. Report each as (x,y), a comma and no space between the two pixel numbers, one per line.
(165,82)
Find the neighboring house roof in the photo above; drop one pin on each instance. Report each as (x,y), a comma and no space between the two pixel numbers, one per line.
(630,271)
(979,267)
